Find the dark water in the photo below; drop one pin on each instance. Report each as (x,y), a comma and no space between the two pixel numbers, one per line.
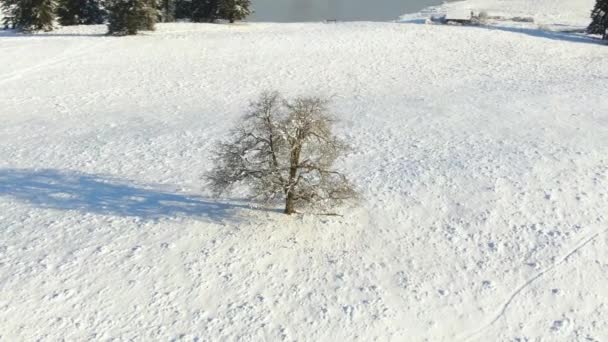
(344,10)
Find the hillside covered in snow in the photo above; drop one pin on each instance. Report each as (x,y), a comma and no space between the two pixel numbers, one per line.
(481,154)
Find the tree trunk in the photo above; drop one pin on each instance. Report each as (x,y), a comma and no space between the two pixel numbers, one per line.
(289,204)
(293,173)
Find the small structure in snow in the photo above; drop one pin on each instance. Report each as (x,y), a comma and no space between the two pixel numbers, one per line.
(436,19)
(459,17)
(462,17)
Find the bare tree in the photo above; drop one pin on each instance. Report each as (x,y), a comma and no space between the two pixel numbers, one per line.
(284,149)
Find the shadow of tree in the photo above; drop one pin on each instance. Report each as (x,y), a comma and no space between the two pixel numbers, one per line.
(553,35)
(566,35)
(69,190)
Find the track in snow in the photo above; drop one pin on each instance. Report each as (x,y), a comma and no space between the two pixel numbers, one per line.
(507,303)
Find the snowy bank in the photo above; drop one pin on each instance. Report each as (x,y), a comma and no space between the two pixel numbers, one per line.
(543,11)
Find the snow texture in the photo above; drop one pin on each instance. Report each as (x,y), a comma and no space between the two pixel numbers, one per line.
(480,153)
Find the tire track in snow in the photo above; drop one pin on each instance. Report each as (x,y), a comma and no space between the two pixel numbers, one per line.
(519,289)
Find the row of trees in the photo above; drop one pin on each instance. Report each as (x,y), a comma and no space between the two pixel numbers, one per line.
(599,19)
(122,16)
(130,16)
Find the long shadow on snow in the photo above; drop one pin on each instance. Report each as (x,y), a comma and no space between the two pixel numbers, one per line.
(69,190)
(553,35)
(564,36)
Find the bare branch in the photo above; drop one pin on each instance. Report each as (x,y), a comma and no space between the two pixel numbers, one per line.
(284,149)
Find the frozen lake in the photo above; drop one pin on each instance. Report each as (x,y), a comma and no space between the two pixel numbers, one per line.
(319,10)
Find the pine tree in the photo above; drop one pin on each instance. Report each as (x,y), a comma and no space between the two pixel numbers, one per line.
(29,15)
(167,10)
(183,9)
(78,12)
(599,19)
(204,10)
(233,10)
(127,17)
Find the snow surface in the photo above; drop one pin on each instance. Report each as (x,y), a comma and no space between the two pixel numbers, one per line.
(480,153)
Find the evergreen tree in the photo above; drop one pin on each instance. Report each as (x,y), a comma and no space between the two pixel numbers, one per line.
(29,15)
(599,19)
(78,12)
(233,10)
(167,10)
(127,17)
(204,10)
(183,9)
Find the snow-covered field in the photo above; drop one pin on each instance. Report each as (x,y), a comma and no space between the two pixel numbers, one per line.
(481,155)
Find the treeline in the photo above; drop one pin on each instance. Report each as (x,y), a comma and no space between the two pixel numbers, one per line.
(123,17)
(599,19)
